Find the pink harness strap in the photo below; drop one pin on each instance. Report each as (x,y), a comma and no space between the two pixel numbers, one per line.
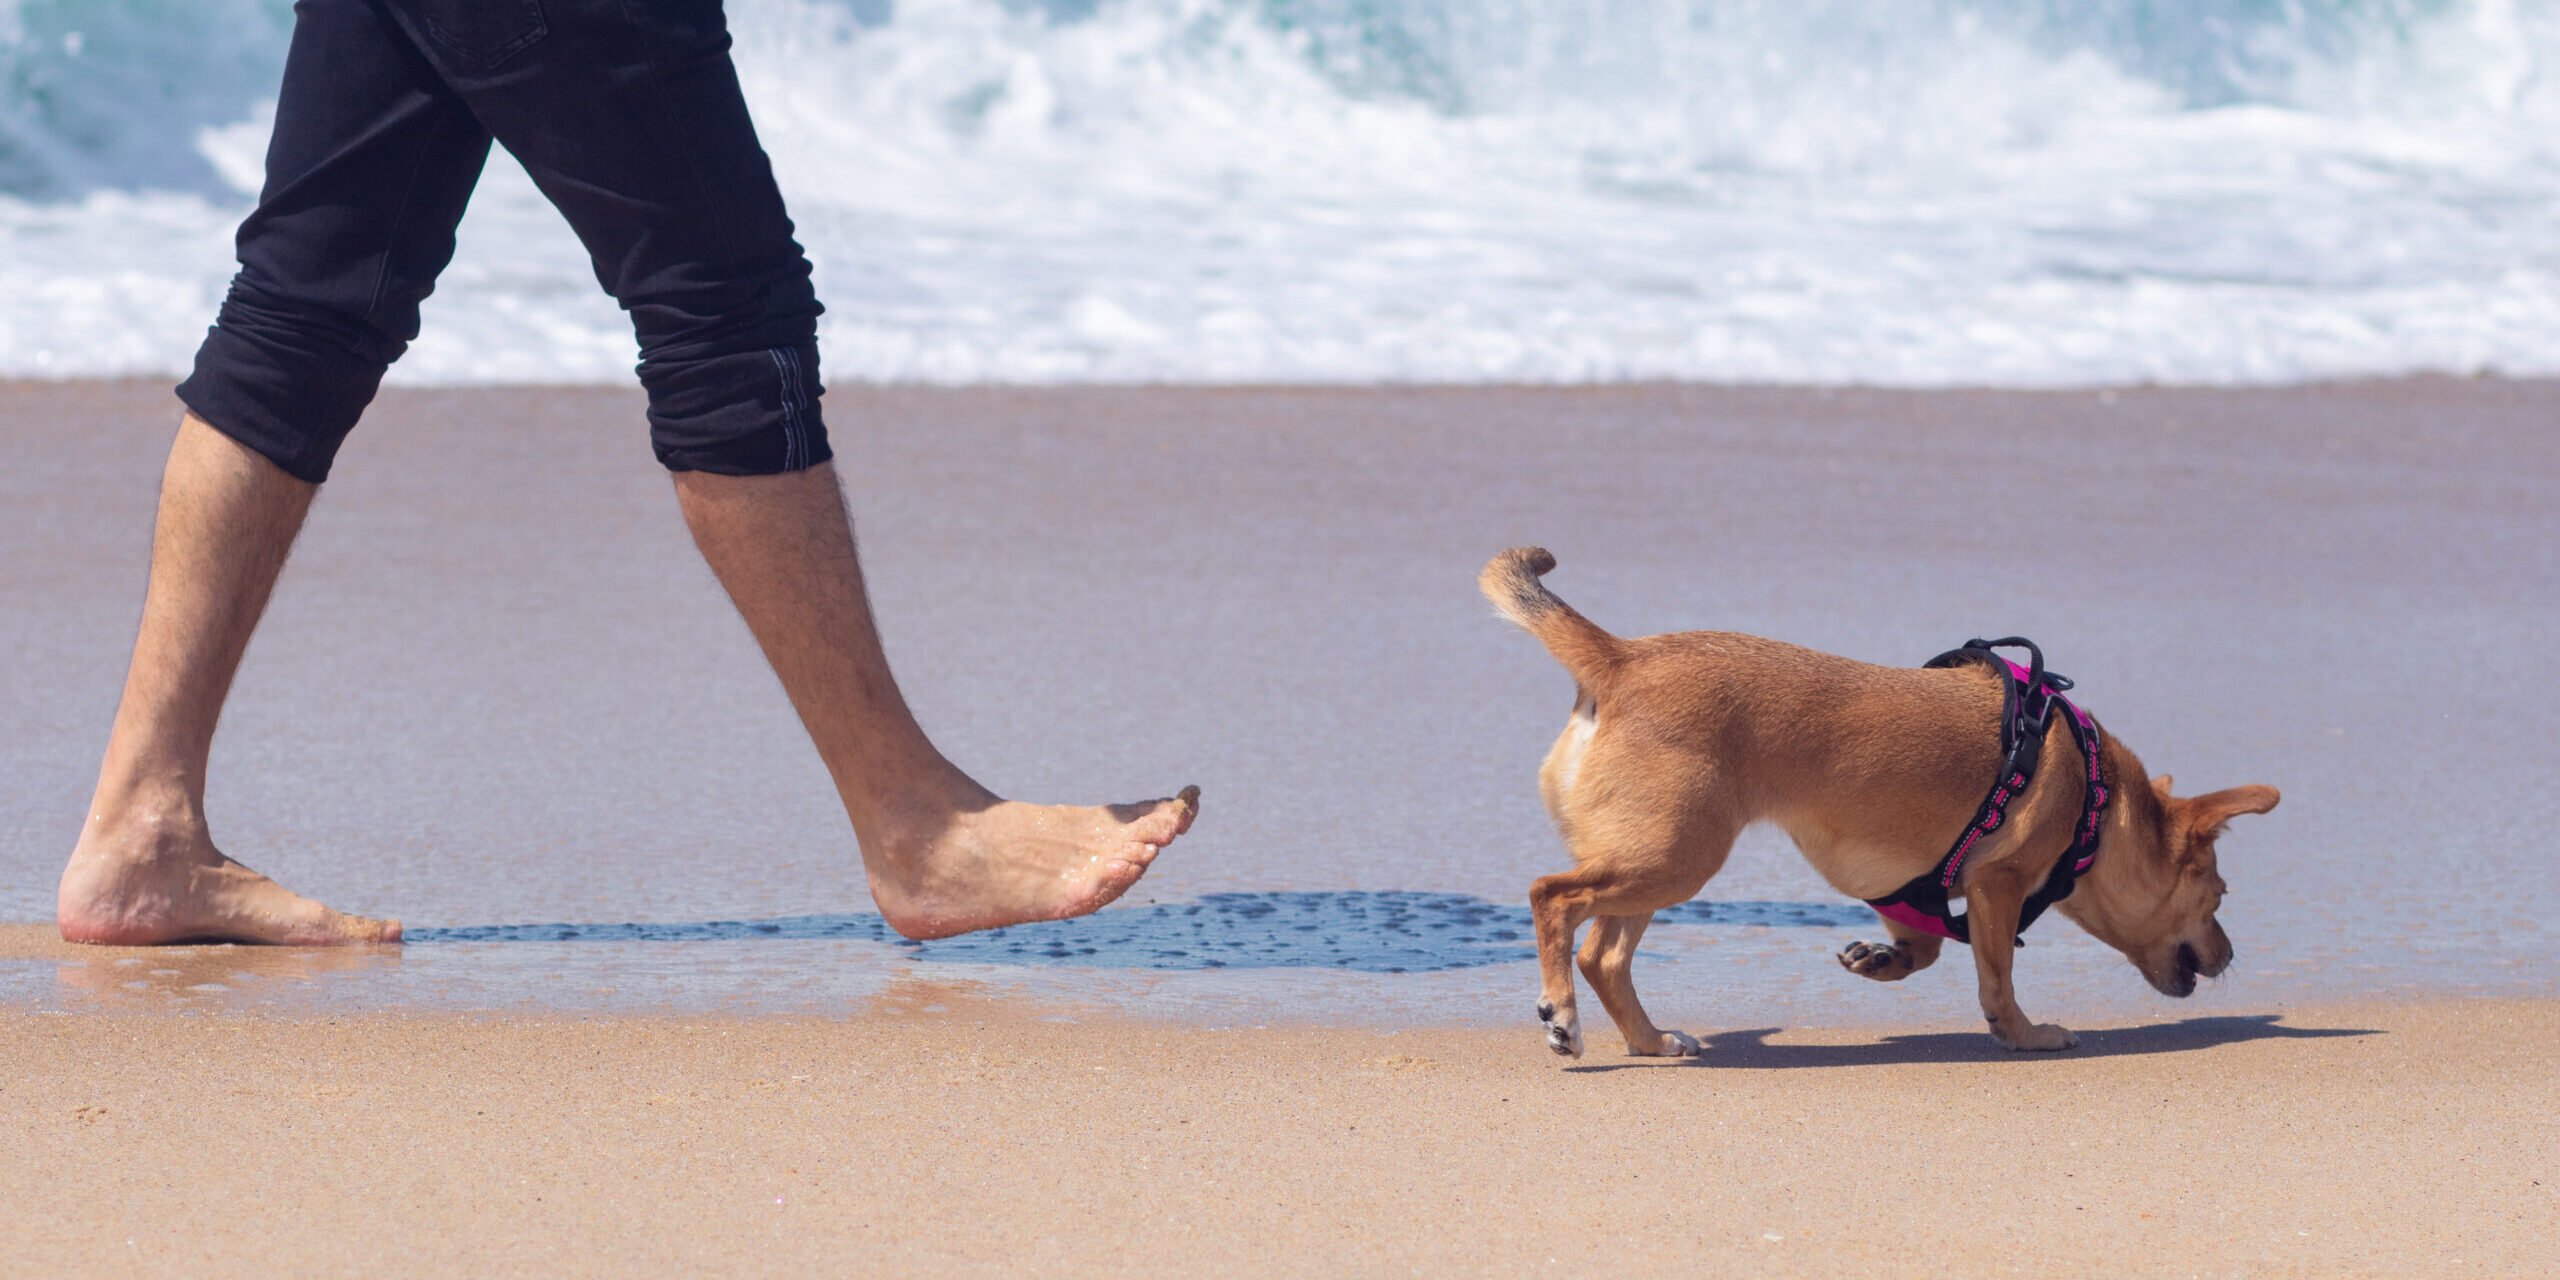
(2029,697)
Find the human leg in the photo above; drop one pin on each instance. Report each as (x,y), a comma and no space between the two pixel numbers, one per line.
(944,855)
(369,168)
(145,869)
(629,117)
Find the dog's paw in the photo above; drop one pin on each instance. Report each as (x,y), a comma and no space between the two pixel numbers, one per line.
(1565,1041)
(1564,1035)
(2041,1037)
(1876,960)
(1675,1044)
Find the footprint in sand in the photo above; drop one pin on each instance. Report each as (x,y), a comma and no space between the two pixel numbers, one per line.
(1403,1064)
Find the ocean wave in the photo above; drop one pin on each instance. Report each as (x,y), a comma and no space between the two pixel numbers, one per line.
(1897,192)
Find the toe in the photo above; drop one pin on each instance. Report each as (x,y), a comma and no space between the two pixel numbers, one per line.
(1160,822)
(366,929)
(322,926)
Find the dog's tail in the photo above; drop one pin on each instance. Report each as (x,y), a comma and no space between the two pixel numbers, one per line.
(1511,583)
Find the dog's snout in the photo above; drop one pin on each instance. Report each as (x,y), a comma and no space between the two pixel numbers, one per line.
(2217,951)
(2178,977)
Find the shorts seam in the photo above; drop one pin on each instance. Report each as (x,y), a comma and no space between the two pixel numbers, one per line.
(786,366)
(806,412)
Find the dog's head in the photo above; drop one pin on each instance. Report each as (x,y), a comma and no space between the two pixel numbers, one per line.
(2158,904)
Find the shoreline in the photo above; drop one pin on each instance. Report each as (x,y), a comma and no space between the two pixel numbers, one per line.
(41,975)
(2348,1139)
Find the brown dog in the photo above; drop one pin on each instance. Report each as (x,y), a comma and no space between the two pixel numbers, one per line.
(1679,741)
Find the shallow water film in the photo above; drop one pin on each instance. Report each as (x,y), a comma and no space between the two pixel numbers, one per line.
(497,696)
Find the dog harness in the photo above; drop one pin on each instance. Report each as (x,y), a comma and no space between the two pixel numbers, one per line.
(2029,697)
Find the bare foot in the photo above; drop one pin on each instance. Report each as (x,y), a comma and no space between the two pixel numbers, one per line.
(144,883)
(1011,863)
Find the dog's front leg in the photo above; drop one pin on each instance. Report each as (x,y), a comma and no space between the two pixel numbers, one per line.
(1991,912)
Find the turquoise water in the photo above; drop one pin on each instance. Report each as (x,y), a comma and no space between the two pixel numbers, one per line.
(1914,192)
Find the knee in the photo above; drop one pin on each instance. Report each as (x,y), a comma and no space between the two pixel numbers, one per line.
(732,373)
(1558,906)
(287,376)
(748,413)
(1544,898)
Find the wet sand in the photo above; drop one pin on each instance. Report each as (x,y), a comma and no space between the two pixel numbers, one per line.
(932,1133)
(497,695)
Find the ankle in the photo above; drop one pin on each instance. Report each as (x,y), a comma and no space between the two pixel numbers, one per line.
(917,808)
(146,813)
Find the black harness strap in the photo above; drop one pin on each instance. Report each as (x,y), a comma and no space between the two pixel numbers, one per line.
(2029,700)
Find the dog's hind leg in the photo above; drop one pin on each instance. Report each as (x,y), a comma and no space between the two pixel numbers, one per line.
(1910,952)
(1640,868)
(1608,963)
(1558,904)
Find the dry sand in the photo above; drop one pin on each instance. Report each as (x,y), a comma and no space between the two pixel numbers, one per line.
(2409,1139)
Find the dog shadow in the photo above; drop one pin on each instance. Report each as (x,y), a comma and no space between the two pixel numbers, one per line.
(1751,1050)
(1393,931)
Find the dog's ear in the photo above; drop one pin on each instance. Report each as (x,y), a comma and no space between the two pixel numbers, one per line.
(2206,815)
(2160,787)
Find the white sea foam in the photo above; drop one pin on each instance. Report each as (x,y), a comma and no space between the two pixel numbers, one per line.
(1895,191)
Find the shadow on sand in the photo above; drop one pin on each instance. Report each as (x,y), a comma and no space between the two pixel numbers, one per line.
(1370,932)
(1750,1050)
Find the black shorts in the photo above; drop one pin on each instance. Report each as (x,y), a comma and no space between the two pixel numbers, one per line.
(628,115)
